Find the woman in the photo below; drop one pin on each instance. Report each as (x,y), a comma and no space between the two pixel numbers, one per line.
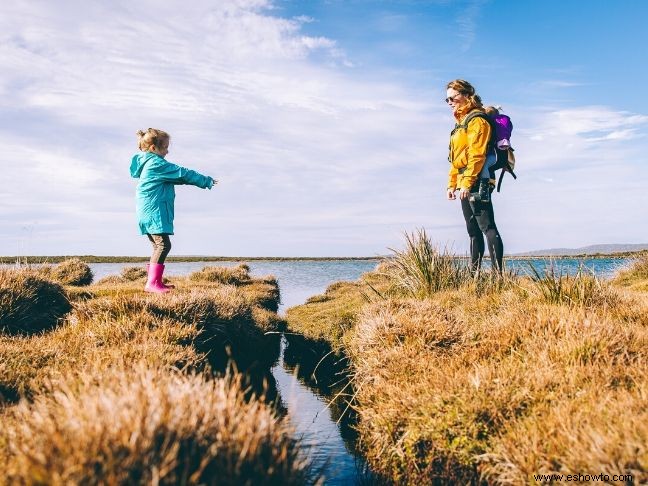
(469,143)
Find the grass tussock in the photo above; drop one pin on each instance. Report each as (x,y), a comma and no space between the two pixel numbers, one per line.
(72,272)
(97,335)
(128,274)
(330,316)
(28,303)
(237,275)
(145,425)
(582,289)
(133,274)
(635,276)
(422,269)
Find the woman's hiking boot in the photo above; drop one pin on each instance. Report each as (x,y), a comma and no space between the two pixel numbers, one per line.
(154,281)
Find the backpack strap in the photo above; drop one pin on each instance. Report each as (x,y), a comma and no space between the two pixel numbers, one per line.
(505,169)
(480,114)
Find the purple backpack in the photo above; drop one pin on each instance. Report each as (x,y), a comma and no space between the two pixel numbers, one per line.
(505,158)
(503,127)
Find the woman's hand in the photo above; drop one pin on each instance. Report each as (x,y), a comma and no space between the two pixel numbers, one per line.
(451,194)
(464,194)
(213,182)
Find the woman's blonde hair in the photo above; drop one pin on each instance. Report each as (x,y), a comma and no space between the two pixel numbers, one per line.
(465,88)
(152,137)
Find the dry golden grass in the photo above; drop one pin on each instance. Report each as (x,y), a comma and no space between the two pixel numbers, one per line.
(635,276)
(143,424)
(28,303)
(329,316)
(496,381)
(98,334)
(128,274)
(454,393)
(109,396)
(237,275)
(217,322)
(72,272)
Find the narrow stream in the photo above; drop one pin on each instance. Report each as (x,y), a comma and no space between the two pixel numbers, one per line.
(310,414)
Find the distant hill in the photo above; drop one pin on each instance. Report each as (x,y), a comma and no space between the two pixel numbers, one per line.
(588,250)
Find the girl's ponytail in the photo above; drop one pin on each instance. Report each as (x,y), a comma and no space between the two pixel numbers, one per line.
(152,137)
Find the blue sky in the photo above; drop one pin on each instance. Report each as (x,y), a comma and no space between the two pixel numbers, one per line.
(323,120)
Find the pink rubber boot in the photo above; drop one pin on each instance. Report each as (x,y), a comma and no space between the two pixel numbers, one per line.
(161,279)
(154,282)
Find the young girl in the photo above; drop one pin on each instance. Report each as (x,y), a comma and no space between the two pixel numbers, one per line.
(155,196)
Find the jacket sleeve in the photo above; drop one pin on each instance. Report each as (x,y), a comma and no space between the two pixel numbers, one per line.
(478,135)
(178,175)
(452,178)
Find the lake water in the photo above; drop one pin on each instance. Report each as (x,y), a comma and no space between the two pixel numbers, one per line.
(307,409)
(301,279)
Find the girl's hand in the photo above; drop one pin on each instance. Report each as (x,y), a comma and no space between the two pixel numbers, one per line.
(464,194)
(213,182)
(451,194)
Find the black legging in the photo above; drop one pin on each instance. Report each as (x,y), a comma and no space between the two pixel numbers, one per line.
(480,219)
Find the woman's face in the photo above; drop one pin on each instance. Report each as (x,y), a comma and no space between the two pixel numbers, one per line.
(455,99)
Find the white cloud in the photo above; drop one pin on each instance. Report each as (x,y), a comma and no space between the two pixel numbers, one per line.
(467,22)
(296,143)
(314,158)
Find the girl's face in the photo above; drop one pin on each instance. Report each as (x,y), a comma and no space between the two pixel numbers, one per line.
(455,99)
(162,150)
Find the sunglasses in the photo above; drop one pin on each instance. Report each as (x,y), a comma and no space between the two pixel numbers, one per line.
(453,99)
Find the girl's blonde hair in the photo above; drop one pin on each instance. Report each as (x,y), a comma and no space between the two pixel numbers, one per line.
(466,89)
(152,137)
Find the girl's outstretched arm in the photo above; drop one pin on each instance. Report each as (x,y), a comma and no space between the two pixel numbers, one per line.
(181,175)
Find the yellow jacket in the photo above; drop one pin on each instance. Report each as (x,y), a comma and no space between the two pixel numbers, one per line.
(468,149)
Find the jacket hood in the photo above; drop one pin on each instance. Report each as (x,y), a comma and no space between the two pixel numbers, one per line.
(138,161)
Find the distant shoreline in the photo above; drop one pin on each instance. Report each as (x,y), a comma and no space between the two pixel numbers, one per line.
(136,259)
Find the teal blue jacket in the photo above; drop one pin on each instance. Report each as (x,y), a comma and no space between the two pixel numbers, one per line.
(156,193)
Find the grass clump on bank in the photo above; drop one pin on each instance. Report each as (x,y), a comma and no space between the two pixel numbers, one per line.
(635,276)
(453,394)
(237,275)
(329,316)
(128,274)
(28,303)
(581,289)
(422,269)
(145,425)
(493,380)
(72,272)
